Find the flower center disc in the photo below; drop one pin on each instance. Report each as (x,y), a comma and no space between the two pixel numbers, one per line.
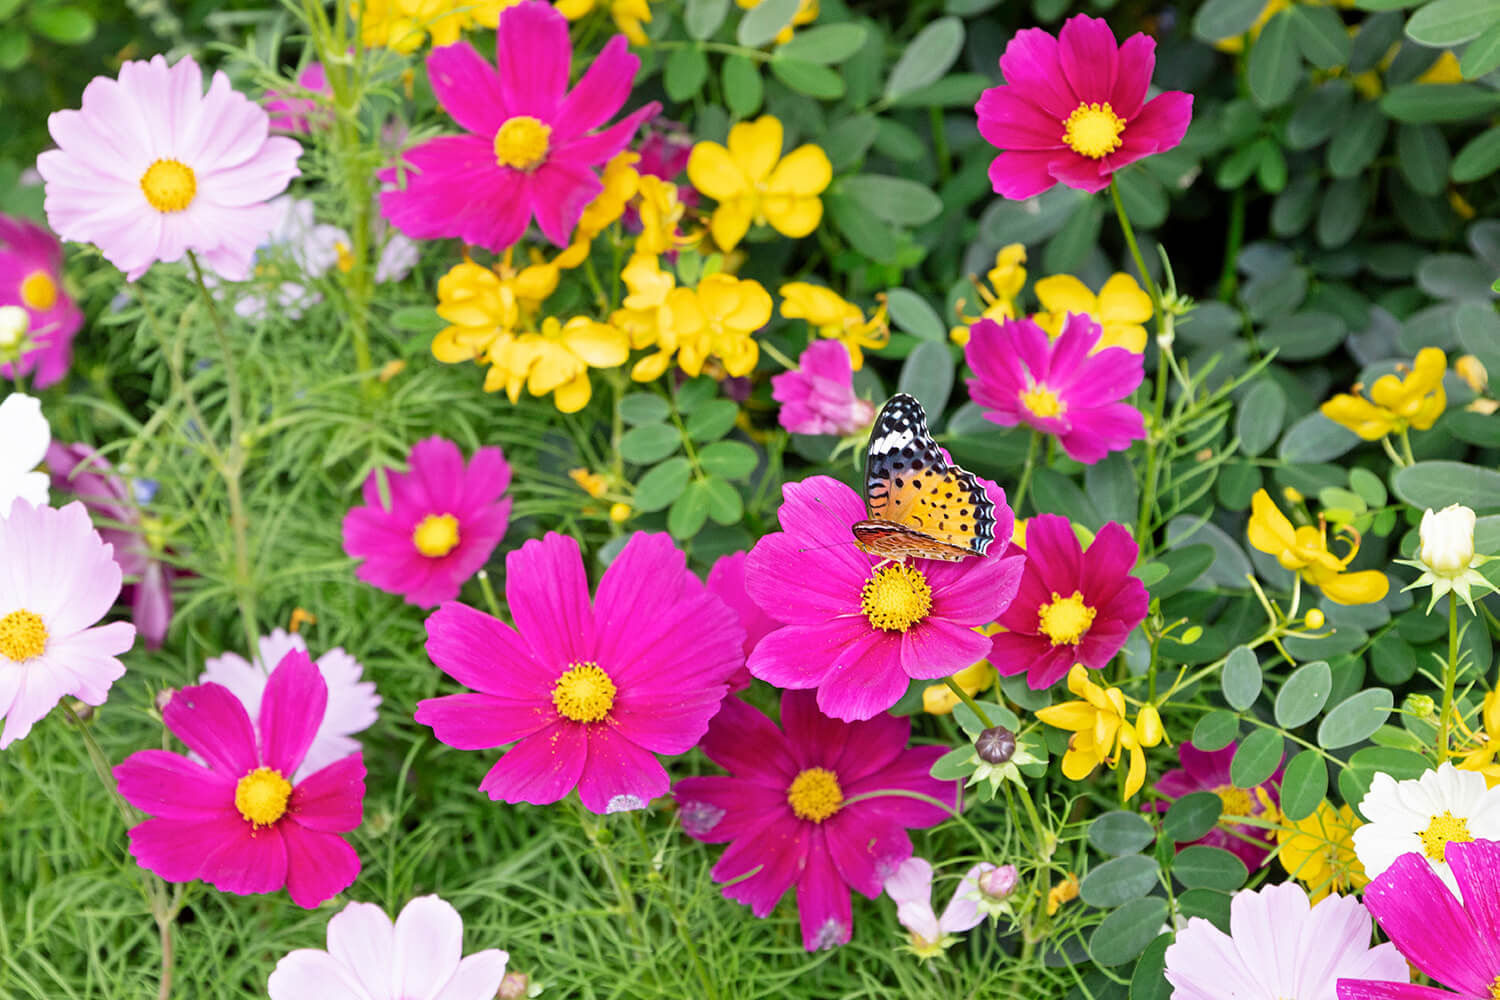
(522,143)
(1444,828)
(436,535)
(39,291)
(1236,801)
(1065,620)
(169,185)
(1093,130)
(23,635)
(1042,401)
(896,598)
(584,693)
(815,794)
(261,796)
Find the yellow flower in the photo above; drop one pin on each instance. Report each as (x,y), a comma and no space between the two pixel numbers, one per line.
(620,184)
(1237,43)
(1006,279)
(1483,745)
(1444,70)
(642,315)
(1395,403)
(660,213)
(555,360)
(628,15)
(484,304)
(939,699)
(719,317)
(1063,892)
(807,13)
(590,482)
(1101,734)
(831,316)
(404,25)
(753,183)
(1121,307)
(1305,550)
(1318,851)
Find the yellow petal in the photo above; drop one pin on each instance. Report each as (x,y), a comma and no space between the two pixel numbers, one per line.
(575,395)
(1077,765)
(731,221)
(1269,529)
(1121,300)
(1364,587)
(597,344)
(1361,416)
(806,172)
(1063,293)
(1136,777)
(1131,336)
(713,171)
(756,146)
(1074,716)
(794,217)
(573,9)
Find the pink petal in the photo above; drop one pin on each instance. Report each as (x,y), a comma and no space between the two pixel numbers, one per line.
(720,809)
(176,850)
(1476,868)
(215,726)
(534,58)
(290,711)
(1421,917)
(1007,120)
(478,976)
(601,91)
(429,946)
(170,786)
(801,656)
(467,87)
(319,866)
(823,901)
(540,769)
(1089,55)
(619,775)
(490,212)
(1133,76)
(306,974)
(976,591)
(548,593)
(1031,64)
(1053,549)
(864,856)
(1098,431)
(558,192)
(746,743)
(1019,175)
(363,940)
(331,799)
(485,654)
(865,678)
(591,150)
(764,864)
(482,721)
(937,648)
(249,862)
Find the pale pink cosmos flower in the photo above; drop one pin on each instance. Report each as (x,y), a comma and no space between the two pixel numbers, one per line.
(818,397)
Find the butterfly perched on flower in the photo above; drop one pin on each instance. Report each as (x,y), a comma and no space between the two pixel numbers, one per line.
(919,504)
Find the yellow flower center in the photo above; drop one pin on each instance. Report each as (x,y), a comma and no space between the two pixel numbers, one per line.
(22,635)
(169,185)
(436,535)
(1093,130)
(1065,620)
(1236,801)
(345,255)
(261,796)
(896,597)
(1495,989)
(584,693)
(1444,829)
(39,291)
(522,143)
(1042,401)
(815,794)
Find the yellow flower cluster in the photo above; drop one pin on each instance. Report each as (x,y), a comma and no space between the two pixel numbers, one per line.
(1305,550)
(1395,403)
(404,25)
(687,326)
(628,15)
(754,183)
(1101,732)
(1318,851)
(834,317)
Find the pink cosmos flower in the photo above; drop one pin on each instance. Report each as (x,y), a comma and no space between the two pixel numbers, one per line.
(589,692)
(151,168)
(911,890)
(443,522)
(1057,387)
(1278,946)
(531,148)
(57,578)
(352,703)
(370,958)
(1205,771)
(1072,606)
(858,633)
(818,397)
(726,581)
(239,823)
(290,113)
(31,277)
(1074,109)
(1450,939)
(782,809)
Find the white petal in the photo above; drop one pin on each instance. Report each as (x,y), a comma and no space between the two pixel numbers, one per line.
(24,434)
(429,945)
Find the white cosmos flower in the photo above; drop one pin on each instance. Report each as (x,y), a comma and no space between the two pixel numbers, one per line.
(24,437)
(1421,815)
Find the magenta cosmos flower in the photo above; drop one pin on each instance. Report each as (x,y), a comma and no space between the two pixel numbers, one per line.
(1278,947)
(818,396)
(1074,109)
(292,113)
(151,168)
(371,958)
(589,692)
(82,471)
(31,277)
(726,581)
(782,809)
(239,823)
(58,579)
(1204,771)
(443,522)
(1072,606)
(532,148)
(1453,940)
(1057,387)
(859,628)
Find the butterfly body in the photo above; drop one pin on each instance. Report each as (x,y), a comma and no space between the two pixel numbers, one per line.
(919,505)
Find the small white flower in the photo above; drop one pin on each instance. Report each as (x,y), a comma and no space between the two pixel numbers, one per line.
(1421,815)
(1448,540)
(24,437)
(397,258)
(911,888)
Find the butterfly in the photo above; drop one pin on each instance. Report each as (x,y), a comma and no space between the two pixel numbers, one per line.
(919,505)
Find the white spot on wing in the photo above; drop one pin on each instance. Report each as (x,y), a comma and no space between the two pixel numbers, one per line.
(894,441)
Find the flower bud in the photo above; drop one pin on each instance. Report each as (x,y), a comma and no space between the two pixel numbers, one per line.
(999,883)
(1472,370)
(1422,706)
(1448,540)
(619,513)
(82,709)
(1148,726)
(163,697)
(14,322)
(513,986)
(995,745)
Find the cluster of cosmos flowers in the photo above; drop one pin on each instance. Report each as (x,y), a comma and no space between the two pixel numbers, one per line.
(597,689)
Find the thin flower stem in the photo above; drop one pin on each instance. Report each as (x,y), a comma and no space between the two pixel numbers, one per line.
(1025,483)
(1135,250)
(1406,447)
(1450,679)
(1390,451)
(489,593)
(968,699)
(775,352)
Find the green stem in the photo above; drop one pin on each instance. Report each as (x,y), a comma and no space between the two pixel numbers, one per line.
(1228,277)
(968,699)
(1450,679)
(489,593)
(1135,250)
(1391,453)
(1025,483)
(1406,447)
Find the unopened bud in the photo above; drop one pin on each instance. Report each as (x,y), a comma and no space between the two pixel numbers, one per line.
(14,322)
(995,745)
(619,513)
(999,883)
(1472,370)
(1316,619)
(1191,635)
(1292,494)
(83,710)
(513,986)
(1148,726)
(1421,705)
(164,696)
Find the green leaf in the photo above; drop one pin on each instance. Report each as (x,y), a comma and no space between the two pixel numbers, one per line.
(1482,56)
(1305,335)
(64,25)
(911,314)
(1319,114)
(1258,423)
(1423,158)
(764,21)
(703,17)
(685,73)
(1185,566)
(1361,137)
(1439,102)
(928,375)
(1342,212)
(662,484)
(1292,211)
(1304,694)
(1403,765)
(1217,20)
(1077,237)
(809,78)
(1242,678)
(743,87)
(1479,158)
(1355,718)
(1121,832)
(713,419)
(644,408)
(1479,333)
(927,57)
(15,47)
(1438,484)
(728,459)
(689,512)
(649,443)
(825,44)
(1257,758)
(695,392)
(894,199)
(1149,981)
(865,233)
(1146,201)
(1442,24)
(1481,429)
(1191,816)
(417,319)
(1321,35)
(952,91)
(1126,932)
(849,139)
(725,505)
(1204,867)
(1216,730)
(1315,439)
(1275,66)
(1119,880)
(1304,783)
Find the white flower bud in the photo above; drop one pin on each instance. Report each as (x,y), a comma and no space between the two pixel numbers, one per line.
(1448,540)
(14,322)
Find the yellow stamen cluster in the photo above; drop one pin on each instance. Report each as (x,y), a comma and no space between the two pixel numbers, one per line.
(897,597)
(1065,620)
(39,291)
(436,535)
(522,143)
(1093,130)
(1444,829)
(584,693)
(814,794)
(23,635)
(261,796)
(1042,401)
(169,185)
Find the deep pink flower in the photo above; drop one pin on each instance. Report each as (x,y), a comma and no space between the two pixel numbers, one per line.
(82,471)
(239,823)
(299,115)
(818,396)
(1454,941)
(782,809)
(726,581)
(1072,606)
(531,151)
(1074,109)
(1057,387)
(1204,771)
(859,634)
(31,277)
(443,523)
(589,692)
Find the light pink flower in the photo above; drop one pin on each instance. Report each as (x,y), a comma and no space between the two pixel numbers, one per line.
(818,397)
(910,887)
(292,113)
(31,277)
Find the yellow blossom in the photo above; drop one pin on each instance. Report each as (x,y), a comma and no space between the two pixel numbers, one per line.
(619,512)
(620,184)
(1101,733)
(807,13)
(642,313)
(1395,403)
(590,482)
(1121,308)
(939,699)
(752,182)
(1483,746)
(1006,279)
(483,304)
(719,317)
(1318,851)
(1472,371)
(1063,892)
(1237,43)
(404,25)
(833,317)
(1305,550)
(556,359)
(628,15)
(1444,70)
(660,213)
